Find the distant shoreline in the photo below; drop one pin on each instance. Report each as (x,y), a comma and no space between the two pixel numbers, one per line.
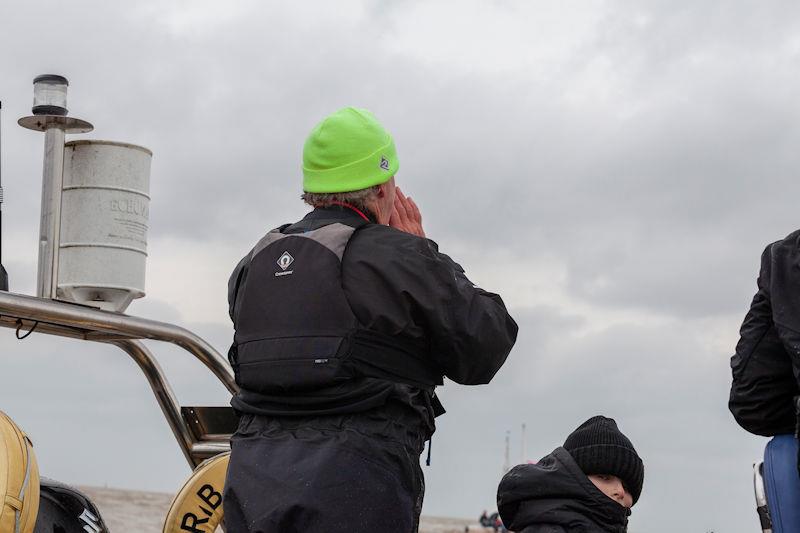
(121,509)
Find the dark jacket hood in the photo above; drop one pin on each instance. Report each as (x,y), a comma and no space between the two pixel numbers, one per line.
(555,495)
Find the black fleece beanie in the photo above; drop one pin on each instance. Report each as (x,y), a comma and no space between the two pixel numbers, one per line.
(598,447)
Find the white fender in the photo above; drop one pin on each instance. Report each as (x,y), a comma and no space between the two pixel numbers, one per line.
(19,479)
(197,508)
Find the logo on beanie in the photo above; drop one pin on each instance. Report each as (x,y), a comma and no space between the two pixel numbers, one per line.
(384,163)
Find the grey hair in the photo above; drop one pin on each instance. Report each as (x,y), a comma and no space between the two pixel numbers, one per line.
(358,199)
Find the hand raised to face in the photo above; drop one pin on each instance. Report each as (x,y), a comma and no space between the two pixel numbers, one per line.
(405,215)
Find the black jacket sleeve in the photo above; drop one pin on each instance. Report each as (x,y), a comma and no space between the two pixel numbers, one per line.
(764,365)
(474,333)
(402,285)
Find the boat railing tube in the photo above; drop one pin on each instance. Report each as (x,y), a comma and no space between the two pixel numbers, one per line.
(43,315)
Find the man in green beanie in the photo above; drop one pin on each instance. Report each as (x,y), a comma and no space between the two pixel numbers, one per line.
(346,321)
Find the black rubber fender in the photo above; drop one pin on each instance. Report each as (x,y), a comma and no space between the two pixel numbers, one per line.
(65,509)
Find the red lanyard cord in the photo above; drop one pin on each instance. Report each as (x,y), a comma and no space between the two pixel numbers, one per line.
(354,208)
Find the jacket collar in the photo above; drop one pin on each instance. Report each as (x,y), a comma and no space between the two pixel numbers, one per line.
(323,216)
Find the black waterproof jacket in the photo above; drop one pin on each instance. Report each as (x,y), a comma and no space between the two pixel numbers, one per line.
(555,496)
(397,285)
(766,365)
(345,457)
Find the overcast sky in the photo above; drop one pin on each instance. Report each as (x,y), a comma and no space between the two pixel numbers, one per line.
(612,169)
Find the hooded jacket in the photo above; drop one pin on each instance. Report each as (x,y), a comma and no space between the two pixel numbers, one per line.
(555,496)
(766,365)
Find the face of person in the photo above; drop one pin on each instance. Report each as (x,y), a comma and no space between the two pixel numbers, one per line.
(612,487)
(385,202)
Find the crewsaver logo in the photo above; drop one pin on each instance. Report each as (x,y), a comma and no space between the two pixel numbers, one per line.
(384,163)
(284,261)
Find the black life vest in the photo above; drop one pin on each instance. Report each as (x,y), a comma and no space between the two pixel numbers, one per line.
(295,331)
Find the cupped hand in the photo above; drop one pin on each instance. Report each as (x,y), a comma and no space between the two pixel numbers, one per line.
(405,215)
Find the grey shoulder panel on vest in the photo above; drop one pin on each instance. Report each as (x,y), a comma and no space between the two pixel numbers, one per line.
(266,240)
(334,237)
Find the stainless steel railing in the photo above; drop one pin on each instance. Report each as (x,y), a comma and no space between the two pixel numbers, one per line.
(75,321)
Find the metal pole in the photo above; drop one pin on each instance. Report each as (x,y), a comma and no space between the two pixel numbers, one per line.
(3,273)
(80,322)
(50,116)
(163,392)
(52,178)
(507,459)
(105,326)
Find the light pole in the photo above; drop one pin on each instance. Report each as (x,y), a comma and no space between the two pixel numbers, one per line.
(50,116)
(3,273)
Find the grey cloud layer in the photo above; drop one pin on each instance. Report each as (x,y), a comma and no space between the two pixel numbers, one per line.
(653,155)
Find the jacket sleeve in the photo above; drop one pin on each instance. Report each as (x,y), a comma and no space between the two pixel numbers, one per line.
(764,383)
(473,334)
(401,285)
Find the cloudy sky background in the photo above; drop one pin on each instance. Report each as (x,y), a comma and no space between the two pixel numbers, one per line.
(613,169)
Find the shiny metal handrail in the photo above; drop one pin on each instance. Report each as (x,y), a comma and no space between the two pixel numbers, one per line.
(81,322)
(93,324)
(163,392)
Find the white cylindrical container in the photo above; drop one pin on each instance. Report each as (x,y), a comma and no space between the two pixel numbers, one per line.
(104,219)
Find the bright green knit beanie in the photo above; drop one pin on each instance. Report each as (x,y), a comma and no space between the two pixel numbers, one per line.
(348,151)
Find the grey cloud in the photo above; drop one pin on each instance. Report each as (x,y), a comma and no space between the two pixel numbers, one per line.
(654,162)
(598,188)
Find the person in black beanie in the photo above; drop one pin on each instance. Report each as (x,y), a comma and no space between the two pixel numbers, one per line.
(586,486)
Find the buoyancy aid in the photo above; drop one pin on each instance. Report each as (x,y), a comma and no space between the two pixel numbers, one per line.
(295,331)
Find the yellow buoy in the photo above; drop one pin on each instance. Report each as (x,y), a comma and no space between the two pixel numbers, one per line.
(197,508)
(19,479)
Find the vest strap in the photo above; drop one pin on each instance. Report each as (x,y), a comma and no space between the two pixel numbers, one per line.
(385,356)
